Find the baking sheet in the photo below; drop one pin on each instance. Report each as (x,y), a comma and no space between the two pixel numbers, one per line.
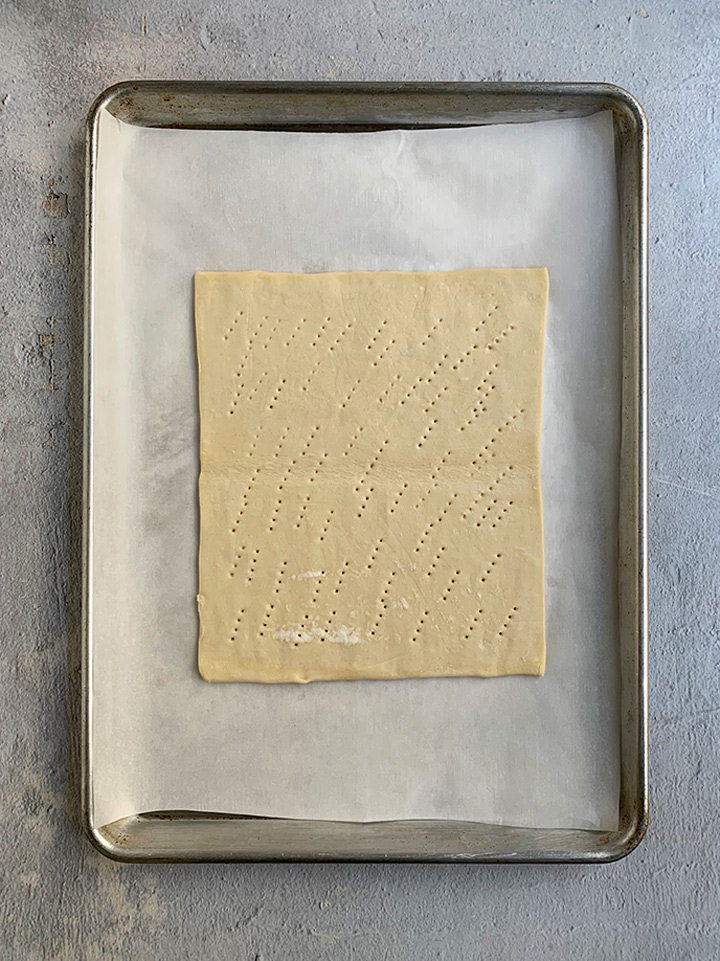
(521,751)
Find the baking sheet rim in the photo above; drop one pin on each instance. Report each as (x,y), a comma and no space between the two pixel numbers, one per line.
(117,841)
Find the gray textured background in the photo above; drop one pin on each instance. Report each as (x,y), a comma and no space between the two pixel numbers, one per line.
(58,898)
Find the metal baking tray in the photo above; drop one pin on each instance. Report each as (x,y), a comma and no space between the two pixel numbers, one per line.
(338,107)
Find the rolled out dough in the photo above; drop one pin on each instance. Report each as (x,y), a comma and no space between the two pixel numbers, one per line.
(370,474)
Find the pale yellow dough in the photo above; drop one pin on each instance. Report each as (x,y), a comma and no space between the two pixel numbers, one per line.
(370,474)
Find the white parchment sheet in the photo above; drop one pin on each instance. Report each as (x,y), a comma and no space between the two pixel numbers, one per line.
(514,750)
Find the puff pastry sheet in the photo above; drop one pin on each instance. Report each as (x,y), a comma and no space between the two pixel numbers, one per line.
(370,474)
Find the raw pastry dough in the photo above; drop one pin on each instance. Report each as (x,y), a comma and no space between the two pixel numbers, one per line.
(370,474)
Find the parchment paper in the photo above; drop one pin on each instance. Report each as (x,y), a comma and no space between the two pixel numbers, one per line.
(515,750)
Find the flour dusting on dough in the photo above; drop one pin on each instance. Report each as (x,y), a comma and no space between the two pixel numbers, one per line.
(303,635)
(344,635)
(306,575)
(290,636)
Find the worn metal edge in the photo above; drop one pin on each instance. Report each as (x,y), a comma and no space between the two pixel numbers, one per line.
(153,838)
(86,636)
(121,100)
(639,120)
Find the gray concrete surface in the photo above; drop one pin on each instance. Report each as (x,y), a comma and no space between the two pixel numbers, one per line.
(58,898)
